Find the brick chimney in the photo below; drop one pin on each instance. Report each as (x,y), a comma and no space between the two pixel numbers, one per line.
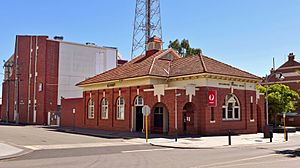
(154,45)
(291,57)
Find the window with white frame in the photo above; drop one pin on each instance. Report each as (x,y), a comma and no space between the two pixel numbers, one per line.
(120,108)
(231,108)
(139,101)
(104,108)
(91,109)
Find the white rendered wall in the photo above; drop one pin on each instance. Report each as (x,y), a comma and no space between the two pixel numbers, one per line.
(78,62)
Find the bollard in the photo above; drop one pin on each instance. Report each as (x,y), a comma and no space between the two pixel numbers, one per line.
(176,136)
(229,137)
(286,136)
(270,135)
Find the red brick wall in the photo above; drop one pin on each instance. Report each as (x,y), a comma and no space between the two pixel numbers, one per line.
(261,113)
(293,121)
(244,125)
(67,112)
(50,85)
(200,119)
(47,74)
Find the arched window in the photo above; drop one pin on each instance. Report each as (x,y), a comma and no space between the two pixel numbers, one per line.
(91,109)
(231,108)
(120,108)
(139,101)
(104,108)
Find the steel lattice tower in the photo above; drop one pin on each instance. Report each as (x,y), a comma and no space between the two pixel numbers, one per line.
(147,23)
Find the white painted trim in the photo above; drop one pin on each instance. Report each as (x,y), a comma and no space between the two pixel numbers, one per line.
(169,88)
(252,120)
(291,81)
(212,122)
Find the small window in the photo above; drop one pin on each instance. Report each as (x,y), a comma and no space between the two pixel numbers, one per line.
(251,112)
(120,108)
(231,108)
(104,108)
(212,114)
(224,112)
(91,109)
(40,87)
(139,101)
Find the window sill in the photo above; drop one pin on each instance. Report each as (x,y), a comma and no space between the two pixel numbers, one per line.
(231,120)
(212,122)
(104,118)
(120,119)
(252,120)
(91,118)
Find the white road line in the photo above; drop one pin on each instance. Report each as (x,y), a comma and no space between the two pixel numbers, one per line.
(234,161)
(147,150)
(81,145)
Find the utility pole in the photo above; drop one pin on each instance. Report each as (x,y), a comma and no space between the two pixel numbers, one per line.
(147,23)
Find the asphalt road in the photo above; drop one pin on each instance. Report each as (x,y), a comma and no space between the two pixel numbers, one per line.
(138,155)
(150,156)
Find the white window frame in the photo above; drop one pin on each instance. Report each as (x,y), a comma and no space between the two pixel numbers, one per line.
(139,101)
(104,108)
(236,105)
(91,109)
(120,108)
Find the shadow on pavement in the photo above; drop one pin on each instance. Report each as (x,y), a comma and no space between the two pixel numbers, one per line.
(113,134)
(290,153)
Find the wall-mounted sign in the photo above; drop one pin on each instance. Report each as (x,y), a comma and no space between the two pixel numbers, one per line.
(111,84)
(212,98)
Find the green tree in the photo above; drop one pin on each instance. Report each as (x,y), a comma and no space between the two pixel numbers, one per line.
(281,99)
(183,48)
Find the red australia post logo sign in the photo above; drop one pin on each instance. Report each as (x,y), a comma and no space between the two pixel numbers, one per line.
(212,98)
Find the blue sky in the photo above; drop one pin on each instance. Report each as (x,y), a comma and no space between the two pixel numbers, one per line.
(244,33)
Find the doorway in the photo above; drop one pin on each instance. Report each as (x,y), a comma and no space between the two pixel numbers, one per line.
(139,119)
(160,119)
(188,118)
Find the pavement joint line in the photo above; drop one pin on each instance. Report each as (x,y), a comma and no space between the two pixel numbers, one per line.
(80,145)
(235,161)
(146,150)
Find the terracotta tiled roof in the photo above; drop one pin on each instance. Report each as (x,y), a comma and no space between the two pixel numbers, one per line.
(140,66)
(154,66)
(217,67)
(290,63)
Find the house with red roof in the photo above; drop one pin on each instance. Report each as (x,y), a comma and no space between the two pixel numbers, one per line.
(190,95)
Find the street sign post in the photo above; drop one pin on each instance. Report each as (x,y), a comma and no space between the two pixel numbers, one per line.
(146,112)
(284,127)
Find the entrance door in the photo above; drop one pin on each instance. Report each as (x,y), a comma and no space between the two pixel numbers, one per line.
(188,118)
(184,122)
(158,119)
(139,118)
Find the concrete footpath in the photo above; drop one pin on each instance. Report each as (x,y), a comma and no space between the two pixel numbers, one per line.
(8,151)
(222,141)
(188,142)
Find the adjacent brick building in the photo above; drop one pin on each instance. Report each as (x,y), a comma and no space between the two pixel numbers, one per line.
(289,70)
(192,95)
(42,71)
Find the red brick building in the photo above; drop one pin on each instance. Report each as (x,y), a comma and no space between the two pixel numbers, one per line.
(289,71)
(291,78)
(193,95)
(43,70)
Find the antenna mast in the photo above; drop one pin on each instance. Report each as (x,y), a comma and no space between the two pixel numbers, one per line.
(147,23)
